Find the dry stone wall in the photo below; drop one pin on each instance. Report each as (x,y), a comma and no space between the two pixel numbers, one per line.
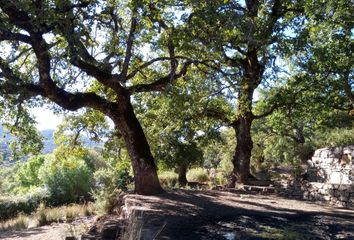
(329,178)
(340,195)
(332,165)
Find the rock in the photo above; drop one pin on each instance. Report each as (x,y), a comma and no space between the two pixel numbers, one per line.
(323,191)
(108,230)
(341,204)
(306,194)
(327,198)
(343,198)
(70,238)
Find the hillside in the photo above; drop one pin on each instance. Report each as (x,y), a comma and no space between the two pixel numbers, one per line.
(48,143)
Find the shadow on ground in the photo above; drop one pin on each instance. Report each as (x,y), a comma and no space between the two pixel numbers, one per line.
(230,215)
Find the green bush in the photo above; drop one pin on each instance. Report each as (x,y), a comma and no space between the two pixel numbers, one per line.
(221,178)
(109,182)
(13,206)
(197,175)
(8,179)
(27,174)
(67,180)
(168,179)
(335,137)
(226,167)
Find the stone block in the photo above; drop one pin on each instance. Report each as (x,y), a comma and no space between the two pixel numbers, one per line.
(323,191)
(330,161)
(330,192)
(341,204)
(344,187)
(317,152)
(317,185)
(324,152)
(326,197)
(336,193)
(306,194)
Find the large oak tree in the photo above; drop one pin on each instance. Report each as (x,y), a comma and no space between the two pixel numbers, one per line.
(90,54)
(241,41)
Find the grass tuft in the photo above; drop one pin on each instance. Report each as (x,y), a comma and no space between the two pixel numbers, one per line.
(20,222)
(44,216)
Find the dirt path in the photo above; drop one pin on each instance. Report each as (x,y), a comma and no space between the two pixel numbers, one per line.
(55,231)
(230,215)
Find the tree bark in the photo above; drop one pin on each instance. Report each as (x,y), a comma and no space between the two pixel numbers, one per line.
(144,167)
(242,124)
(182,175)
(244,146)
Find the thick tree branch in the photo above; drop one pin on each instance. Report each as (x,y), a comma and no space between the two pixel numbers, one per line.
(145,65)
(17,85)
(80,57)
(129,48)
(216,114)
(16,16)
(61,97)
(266,113)
(162,82)
(6,35)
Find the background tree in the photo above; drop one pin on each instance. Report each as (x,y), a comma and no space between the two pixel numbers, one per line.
(241,42)
(89,54)
(324,52)
(174,120)
(294,130)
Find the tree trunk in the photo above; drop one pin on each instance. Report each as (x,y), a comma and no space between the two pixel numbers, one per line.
(244,145)
(253,71)
(182,175)
(144,167)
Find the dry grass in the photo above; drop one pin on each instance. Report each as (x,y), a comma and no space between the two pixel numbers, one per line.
(76,230)
(62,214)
(20,222)
(44,216)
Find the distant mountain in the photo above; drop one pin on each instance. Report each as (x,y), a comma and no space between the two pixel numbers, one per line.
(48,143)
(4,148)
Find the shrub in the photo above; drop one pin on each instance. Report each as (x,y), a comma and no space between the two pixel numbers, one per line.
(109,182)
(12,206)
(220,179)
(168,179)
(20,222)
(105,200)
(226,167)
(335,137)
(197,175)
(8,179)
(27,174)
(68,181)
